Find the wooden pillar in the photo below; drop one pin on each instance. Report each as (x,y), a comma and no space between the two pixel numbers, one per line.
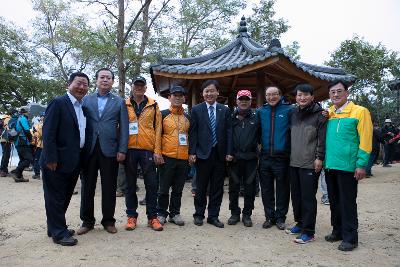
(260,88)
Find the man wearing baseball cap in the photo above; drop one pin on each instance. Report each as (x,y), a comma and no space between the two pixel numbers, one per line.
(245,131)
(174,148)
(144,149)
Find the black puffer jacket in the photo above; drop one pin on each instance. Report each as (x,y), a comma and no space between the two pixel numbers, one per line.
(246,134)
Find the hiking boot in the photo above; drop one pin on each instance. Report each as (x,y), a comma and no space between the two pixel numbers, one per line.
(246,219)
(295,230)
(3,174)
(268,224)
(177,219)
(386,165)
(162,219)
(304,238)
(234,219)
(119,194)
(155,224)
(333,238)
(21,180)
(131,224)
(36,176)
(346,246)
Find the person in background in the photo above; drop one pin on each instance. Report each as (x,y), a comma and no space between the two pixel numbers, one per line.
(376,140)
(37,140)
(388,131)
(6,142)
(23,145)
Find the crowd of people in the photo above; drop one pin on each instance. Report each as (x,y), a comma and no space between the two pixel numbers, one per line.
(280,146)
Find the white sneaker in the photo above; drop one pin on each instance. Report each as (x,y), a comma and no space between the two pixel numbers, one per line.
(162,219)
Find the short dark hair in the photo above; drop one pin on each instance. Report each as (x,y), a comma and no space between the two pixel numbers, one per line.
(273,85)
(107,69)
(305,88)
(335,82)
(77,74)
(208,83)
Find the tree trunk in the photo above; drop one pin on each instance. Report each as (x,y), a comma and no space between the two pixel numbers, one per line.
(145,38)
(120,48)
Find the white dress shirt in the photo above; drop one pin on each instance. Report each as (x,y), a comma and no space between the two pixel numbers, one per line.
(81,118)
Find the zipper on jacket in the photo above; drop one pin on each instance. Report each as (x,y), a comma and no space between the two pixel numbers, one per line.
(338,126)
(272,129)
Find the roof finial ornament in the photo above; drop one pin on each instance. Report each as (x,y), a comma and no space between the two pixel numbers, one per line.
(243,28)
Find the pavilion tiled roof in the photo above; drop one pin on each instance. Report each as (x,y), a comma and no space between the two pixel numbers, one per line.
(242,52)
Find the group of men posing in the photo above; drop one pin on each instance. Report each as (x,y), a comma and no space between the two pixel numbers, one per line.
(288,145)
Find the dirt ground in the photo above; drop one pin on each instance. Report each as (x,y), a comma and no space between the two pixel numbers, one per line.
(23,240)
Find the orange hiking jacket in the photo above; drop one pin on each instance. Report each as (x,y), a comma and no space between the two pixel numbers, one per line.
(149,131)
(173,124)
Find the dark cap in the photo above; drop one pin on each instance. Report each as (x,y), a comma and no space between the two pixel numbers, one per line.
(177,89)
(22,110)
(139,79)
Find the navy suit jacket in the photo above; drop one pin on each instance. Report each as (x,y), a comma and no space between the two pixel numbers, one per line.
(111,128)
(200,143)
(61,139)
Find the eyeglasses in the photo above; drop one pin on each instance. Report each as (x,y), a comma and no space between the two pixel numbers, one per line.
(337,92)
(272,94)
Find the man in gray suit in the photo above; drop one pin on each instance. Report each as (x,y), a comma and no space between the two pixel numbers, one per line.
(105,146)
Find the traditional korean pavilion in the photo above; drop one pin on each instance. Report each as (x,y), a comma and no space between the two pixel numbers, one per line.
(243,64)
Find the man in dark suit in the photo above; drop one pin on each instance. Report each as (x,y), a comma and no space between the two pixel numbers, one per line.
(106,145)
(63,138)
(210,145)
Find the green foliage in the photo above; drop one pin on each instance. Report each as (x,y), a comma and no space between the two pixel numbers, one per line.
(20,71)
(264,27)
(374,66)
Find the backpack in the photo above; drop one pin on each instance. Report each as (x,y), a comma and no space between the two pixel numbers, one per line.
(11,131)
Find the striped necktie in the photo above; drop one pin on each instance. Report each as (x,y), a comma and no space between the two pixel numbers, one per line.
(212,124)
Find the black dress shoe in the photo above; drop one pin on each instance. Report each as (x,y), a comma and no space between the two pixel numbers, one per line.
(333,238)
(246,219)
(268,224)
(198,221)
(346,246)
(71,232)
(281,225)
(215,222)
(234,219)
(66,241)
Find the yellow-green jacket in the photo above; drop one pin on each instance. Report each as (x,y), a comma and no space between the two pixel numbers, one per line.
(348,138)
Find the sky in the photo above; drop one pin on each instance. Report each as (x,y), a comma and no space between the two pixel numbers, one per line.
(318,25)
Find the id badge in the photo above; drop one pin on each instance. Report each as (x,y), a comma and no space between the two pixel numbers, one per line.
(182,139)
(133,128)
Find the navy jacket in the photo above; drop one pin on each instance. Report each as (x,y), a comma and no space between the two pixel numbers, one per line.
(61,138)
(200,143)
(275,132)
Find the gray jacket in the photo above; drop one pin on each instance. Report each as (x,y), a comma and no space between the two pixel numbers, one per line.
(111,128)
(308,131)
